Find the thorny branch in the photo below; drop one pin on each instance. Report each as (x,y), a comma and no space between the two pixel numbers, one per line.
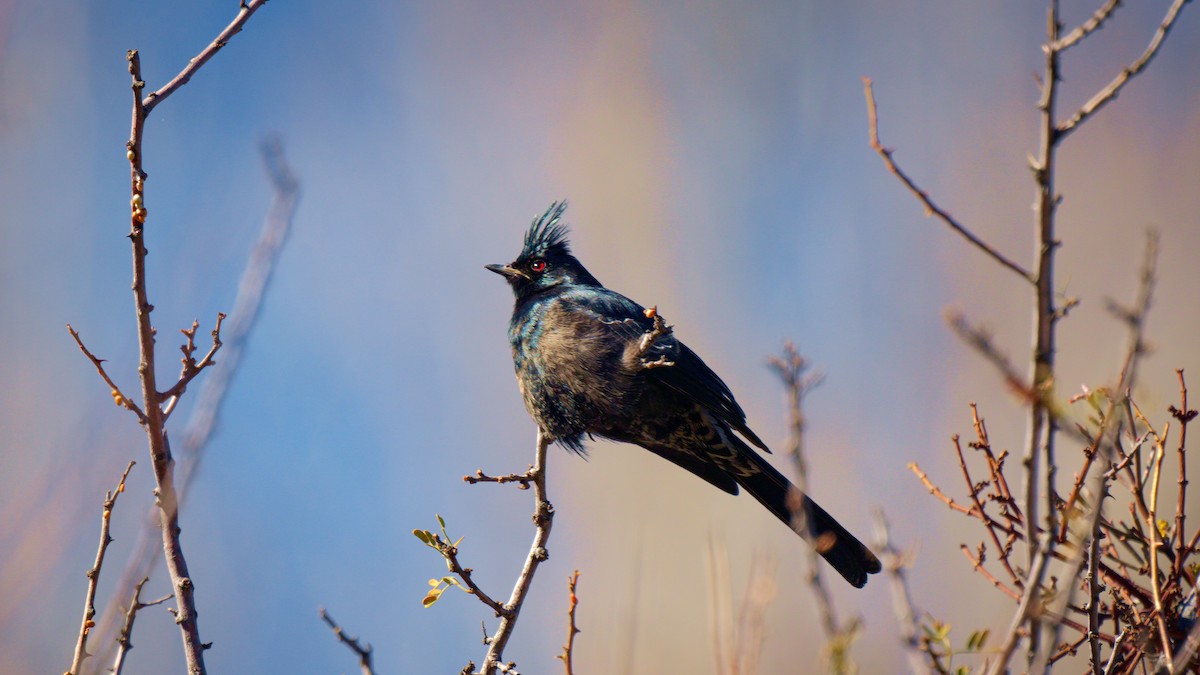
(572,630)
(362,651)
(894,564)
(931,208)
(251,287)
(124,639)
(93,574)
(118,398)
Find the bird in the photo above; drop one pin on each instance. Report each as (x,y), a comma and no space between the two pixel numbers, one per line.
(590,361)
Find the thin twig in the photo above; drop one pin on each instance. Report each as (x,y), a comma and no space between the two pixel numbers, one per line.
(362,651)
(523,480)
(1155,544)
(211,396)
(119,398)
(543,518)
(894,563)
(246,9)
(923,197)
(1184,415)
(93,574)
(792,369)
(1109,92)
(572,629)
(191,368)
(1093,23)
(125,638)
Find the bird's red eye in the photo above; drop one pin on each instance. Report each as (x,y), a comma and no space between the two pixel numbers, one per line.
(538,265)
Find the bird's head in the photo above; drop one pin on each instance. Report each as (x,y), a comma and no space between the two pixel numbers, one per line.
(545,261)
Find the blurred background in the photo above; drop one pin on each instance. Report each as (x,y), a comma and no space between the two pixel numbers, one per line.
(717,164)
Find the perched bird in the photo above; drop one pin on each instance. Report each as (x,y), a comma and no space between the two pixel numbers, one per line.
(591,361)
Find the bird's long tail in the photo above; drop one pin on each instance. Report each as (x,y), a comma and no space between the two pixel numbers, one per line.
(842,550)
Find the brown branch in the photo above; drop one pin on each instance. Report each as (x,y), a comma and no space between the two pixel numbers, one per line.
(1155,543)
(1001,550)
(211,395)
(792,369)
(930,207)
(1094,22)
(160,454)
(894,563)
(124,639)
(363,652)
(523,480)
(977,565)
(247,8)
(1184,415)
(191,368)
(119,398)
(981,341)
(543,518)
(572,630)
(1114,87)
(93,574)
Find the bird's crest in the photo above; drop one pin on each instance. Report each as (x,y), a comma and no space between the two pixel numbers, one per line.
(548,234)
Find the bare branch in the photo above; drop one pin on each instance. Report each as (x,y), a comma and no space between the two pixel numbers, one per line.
(125,639)
(363,652)
(190,367)
(251,287)
(930,207)
(543,518)
(572,630)
(119,398)
(523,480)
(1110,92)
(93,574)
(247,8)
(894,563)
(1094,22)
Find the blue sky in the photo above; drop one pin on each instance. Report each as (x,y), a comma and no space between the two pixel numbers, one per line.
(717,164)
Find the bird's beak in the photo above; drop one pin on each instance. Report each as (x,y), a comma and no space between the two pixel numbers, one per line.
(507,271)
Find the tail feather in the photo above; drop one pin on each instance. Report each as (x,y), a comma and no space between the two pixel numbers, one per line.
(837,546)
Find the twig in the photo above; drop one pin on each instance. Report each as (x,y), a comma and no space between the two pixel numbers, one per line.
(572,630)
(211,395)
(1110,92)
(792,369)
(1093,579)
(190,366)
(1184,415)
(543,518)
(1155,544)
(124,639)
(923,197)
(523,480)
(118,398)
(894,563)
(93,574)
(1094,22)
(363,652)
(246,9)
(981,341)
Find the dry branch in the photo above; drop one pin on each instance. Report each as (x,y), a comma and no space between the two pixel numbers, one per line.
(362,651)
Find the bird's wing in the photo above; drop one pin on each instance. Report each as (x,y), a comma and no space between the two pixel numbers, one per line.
(689,375)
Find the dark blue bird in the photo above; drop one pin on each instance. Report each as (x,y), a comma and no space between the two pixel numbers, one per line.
(591,361)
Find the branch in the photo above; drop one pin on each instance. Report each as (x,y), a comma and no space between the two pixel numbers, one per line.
(235,27)
(190,367)
(1110,92)
(210,398)
(93,574)
(124,639)
(363,652)
(522,479)
(543,518)
(118,398)
(572,630)
(930,207)
(1094,22)
(791,368)
(894,563)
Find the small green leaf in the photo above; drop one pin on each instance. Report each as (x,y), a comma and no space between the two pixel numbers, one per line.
(422,535)
(1164,528)
(441,521)
(962,670)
